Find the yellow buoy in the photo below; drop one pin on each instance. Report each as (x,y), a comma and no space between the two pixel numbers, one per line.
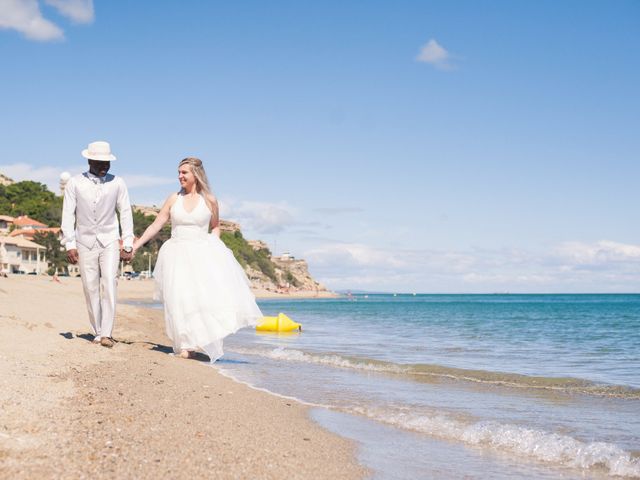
(281,323)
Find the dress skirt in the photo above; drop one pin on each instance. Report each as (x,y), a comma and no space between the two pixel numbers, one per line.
(205,293)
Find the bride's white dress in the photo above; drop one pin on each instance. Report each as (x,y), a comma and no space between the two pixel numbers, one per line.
(204,289)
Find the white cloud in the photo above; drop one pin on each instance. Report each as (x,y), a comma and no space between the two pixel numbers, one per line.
(80,11)
(48,175)
(435,54)
(141,181)
(505,279)
(26,17)
(353,255)
(261,217)
(602,253)
(603,266)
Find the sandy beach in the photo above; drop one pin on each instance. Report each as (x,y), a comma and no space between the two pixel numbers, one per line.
(295,294)
(144,289)
(71,409)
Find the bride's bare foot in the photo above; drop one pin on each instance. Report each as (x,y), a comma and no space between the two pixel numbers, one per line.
(185,354)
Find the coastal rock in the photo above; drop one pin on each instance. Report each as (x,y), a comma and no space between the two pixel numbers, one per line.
(227,226)
(151,211)
(258,244)
(295,273)
(4,180)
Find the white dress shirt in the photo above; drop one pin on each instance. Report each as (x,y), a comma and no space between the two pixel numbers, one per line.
(89,211)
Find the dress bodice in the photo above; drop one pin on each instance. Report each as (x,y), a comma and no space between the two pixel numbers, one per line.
(191,224)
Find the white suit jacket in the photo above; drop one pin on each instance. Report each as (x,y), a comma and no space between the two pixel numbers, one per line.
(89,211)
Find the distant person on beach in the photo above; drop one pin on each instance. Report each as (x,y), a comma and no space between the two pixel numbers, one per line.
(92,238)
(205,291)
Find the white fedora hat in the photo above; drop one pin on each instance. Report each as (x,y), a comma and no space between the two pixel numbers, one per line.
(99,151)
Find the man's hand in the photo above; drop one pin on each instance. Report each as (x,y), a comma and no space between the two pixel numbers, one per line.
(72,256)
(127,257)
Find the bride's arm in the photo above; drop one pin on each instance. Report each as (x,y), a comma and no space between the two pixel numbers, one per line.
(160,221)
(214,224)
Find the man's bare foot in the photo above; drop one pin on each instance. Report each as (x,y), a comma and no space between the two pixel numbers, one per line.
(107,342)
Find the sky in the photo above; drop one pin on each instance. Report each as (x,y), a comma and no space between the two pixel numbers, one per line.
(406,146)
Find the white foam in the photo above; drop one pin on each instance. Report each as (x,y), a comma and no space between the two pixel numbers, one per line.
(539,445)
(531,443)
(340,361)
(291,355)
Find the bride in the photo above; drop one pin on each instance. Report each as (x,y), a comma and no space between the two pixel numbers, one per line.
(205,291)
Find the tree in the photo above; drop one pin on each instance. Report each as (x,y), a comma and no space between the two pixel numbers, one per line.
(246,255)
(32,199)
(56,255)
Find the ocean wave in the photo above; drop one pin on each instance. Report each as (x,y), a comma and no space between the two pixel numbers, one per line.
(426,372)
(535,444)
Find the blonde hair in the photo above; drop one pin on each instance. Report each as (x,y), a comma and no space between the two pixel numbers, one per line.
(202,183)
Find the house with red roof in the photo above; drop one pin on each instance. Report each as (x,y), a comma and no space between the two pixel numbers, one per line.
(29,233)
(24,221)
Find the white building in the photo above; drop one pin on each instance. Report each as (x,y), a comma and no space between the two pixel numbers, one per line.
(22,255)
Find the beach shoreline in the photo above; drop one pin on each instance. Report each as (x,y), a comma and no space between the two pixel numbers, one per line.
(73,409)
(141,289)
(301,294)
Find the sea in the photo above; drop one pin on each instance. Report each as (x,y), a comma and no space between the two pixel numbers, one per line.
(461,386)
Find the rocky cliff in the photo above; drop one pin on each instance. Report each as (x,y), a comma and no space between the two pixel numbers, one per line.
(4,180)
(291,275)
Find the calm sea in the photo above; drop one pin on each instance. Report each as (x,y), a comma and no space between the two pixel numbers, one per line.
(453,386)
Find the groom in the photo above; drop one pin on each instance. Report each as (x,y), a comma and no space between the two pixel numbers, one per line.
(92,238)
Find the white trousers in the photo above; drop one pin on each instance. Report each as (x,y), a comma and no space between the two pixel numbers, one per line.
(99,272)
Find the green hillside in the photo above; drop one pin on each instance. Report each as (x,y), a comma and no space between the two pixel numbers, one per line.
(32,199)
(246,255)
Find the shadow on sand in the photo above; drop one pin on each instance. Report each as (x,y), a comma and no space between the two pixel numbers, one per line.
(156,347)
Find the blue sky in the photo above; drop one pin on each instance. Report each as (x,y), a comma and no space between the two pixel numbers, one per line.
(444,146)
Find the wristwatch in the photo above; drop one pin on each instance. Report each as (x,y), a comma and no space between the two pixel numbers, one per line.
(127,249)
